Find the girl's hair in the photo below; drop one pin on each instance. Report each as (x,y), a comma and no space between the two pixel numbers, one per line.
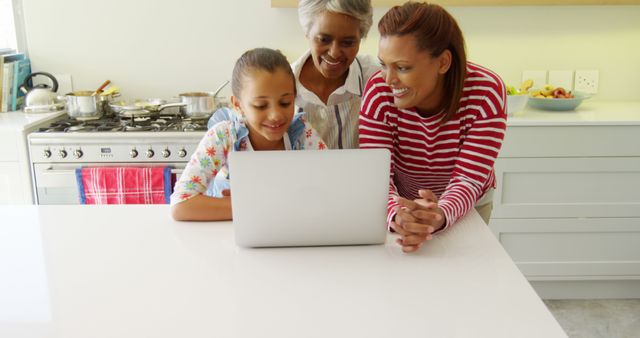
(360,10)
(265,59)
(435,31)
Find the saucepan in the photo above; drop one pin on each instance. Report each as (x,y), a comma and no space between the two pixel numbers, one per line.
(84,105)
(89,105)
(197,105)
(200,105)
(140,108)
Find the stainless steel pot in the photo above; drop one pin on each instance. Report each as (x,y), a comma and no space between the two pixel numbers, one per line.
(83,105)
(197,105)
(200,105)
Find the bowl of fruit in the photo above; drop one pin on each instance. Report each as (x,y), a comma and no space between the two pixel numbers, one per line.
(517,98)
(556,99)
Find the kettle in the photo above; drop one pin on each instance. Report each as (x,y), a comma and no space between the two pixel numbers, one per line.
(42,95)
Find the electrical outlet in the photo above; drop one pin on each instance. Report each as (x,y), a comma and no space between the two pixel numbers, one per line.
(561,78)
(586,81)
(539,77)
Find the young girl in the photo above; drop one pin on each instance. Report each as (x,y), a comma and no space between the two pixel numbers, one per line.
(263,88)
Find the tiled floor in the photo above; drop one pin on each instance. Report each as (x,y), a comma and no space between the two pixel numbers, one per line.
(598,318)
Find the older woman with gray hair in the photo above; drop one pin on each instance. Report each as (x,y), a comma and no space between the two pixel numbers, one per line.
(331,75)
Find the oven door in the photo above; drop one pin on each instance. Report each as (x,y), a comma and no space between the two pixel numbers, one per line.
(57,184)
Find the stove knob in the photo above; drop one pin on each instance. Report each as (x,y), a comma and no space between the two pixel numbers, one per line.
(166,153)
(182,153)
(62,153)
(47,153)
(133,153)
(77,153)
(150,153)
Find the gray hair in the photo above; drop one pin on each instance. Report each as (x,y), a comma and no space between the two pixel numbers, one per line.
(360,10)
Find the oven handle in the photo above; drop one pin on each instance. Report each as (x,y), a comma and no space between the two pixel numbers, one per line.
(50,170)
(73,171)
(50,176)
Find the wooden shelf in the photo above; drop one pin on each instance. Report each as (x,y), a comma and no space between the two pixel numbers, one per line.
(390,3)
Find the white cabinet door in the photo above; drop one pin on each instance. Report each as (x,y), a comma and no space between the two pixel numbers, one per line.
(8,145)
(11,189)
(567,187)
(572,249)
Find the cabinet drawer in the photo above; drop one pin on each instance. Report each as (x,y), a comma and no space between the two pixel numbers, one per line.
(9,146)
(596,248)
(570,141)
(567,187)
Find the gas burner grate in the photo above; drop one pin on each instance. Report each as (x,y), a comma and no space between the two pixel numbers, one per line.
(190,126)
(61,125)
(79,128)
(160,123)
(109,126)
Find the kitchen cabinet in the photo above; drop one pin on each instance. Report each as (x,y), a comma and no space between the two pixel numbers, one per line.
(10,187)
(567,205)
(9,168)
(391,3)
(15,174)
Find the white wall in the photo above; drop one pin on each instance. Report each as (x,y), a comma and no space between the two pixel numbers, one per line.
(155,48)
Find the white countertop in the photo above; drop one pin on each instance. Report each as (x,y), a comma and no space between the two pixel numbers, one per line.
(590,112)
(21,121)
(131,271)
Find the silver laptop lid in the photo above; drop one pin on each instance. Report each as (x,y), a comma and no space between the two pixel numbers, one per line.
(309,198)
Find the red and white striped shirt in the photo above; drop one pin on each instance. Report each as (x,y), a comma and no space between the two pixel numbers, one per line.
(455,159)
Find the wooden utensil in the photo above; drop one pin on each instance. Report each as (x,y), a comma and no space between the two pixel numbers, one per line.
(101,88)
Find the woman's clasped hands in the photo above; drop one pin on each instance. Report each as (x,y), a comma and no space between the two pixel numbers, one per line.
(417,220)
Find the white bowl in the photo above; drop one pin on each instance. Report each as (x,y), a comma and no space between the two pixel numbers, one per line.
(516,103)
(558,104)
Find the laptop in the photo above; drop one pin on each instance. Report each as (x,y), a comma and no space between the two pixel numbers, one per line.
(309,198)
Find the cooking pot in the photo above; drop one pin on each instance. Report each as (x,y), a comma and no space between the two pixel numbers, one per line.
(84,105)
(197,105)
(141,108)
(200,105)
(42,97)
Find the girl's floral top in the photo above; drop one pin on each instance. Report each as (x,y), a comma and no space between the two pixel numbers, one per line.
(209,162)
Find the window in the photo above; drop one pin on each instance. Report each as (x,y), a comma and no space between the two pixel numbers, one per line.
(7,26)
(12,26)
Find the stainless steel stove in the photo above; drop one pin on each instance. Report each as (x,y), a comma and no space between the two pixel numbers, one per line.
(67,144)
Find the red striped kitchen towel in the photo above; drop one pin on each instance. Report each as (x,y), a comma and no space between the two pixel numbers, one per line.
(124,185)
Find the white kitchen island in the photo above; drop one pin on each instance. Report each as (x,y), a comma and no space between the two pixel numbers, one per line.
(131,271)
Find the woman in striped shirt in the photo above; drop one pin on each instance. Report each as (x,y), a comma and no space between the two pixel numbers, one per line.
(442,118)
